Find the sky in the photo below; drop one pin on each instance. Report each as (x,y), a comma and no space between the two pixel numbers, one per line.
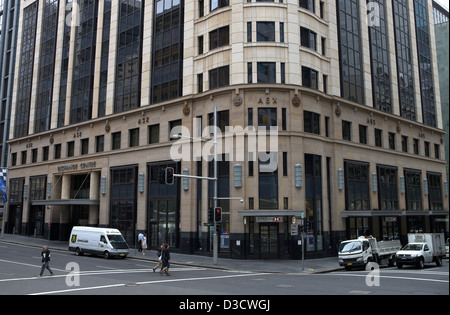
(443,3)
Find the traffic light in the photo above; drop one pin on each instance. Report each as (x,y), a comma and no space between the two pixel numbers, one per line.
(162,176)
(218,214)
(210,215)
(169,175)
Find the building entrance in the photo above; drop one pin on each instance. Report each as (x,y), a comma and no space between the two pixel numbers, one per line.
(269,241)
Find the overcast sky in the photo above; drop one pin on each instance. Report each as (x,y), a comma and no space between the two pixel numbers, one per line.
(443,3)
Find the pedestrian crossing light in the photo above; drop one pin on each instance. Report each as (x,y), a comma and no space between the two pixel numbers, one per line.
(218,214)
(169,175)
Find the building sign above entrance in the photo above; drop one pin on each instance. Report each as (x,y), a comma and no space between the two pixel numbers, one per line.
(269,219)
(72,167)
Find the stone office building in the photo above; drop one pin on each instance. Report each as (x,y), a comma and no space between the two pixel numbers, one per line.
(101,87)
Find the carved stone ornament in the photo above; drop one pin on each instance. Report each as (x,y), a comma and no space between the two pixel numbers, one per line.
(337,111)
(51,140)
(399,128)
(186,110)
(107,127)
(237,100)
(296,101)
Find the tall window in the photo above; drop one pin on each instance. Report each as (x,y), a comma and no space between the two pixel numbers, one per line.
(413,190)
(104,59)
(84,63)
(381,75)
(310,78)
(308,5)
(357,193)
(426,63)
(129,56)
(308,38)
(313,202)
(123,202)
(434,191)
(387,184)
(216,4)
(46,66)
(311,122)
(219,77)
(268,180)
(404,65)
(350,56)
(167,50)
(25,75)
(219,37)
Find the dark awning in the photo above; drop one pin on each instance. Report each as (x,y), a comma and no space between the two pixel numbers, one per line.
(270,213)
(391,213)
(65,202)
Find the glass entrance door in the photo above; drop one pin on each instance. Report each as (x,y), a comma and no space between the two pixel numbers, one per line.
(269,241)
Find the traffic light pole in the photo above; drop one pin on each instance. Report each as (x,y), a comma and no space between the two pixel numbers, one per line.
(215,236)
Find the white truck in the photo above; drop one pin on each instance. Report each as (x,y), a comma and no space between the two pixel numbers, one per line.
(422,248)
(98,241)
(363,250)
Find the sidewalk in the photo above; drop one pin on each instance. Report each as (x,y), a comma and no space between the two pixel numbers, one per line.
(319,265)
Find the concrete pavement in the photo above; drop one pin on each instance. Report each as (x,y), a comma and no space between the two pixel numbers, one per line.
(319,265)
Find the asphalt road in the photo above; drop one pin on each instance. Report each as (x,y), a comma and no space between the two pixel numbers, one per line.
(86,275)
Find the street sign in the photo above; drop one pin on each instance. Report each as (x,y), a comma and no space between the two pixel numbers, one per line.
(294,229)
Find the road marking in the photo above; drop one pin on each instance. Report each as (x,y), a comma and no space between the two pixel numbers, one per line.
(146,282)
(388,277)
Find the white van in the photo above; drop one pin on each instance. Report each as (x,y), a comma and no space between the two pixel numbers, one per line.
(98,241)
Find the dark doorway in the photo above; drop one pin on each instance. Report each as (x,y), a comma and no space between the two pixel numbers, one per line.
(269,241)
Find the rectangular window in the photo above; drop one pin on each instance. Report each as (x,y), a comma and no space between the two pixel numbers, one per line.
(378,138)
(200,44)
(99,143)
(34,154)
(434,191)
(416,146)
(310,78)
(268,180)
(70,148)
(153,134)
(200,82)
(311,122)
(308,38)
(413,190)
(266,72)
(133,137)
(115,141)
(437,149)
(219,77)
(174,129)
(346,130)
(387,187)
(45,153)
(308,5)
(391,140)
(249,72)
(219,37)
(265,31)
(84,146)
(249,32)
(427,148)
(57,151)
(267,117)
(217,4)
(281,32)
(362,134)
(404,143)
(357,192)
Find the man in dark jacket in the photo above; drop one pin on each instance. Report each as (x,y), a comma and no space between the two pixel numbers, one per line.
(165,257)
(45,254)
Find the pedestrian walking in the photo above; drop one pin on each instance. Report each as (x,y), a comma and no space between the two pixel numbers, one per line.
(140,237)
(144,243)
(165,261)
(45,255)
(159,253)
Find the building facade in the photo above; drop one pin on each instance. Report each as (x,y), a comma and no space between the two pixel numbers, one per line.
(333,123)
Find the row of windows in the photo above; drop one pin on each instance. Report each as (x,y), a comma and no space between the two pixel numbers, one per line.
(265,32)
(266,72)
(387,182)
(312,125)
